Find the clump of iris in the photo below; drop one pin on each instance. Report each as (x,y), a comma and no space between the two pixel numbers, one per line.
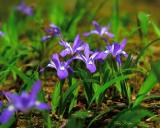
(81,50)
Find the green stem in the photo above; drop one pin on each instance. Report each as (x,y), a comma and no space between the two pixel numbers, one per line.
(60,104)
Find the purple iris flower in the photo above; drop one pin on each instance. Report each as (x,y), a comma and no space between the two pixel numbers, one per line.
(99,30)
(1,33)
(61,67)
(76,47)
(52,31)
(117,50)
(22,7)
(24,102)
(89,58)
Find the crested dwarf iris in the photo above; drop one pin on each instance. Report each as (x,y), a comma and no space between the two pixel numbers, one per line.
(61,67)
(76,47)
(101,31)
(24,102)
(117,50)
(89,58)
(52,31)
(23,8)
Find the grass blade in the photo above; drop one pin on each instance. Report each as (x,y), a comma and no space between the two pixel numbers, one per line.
(145,88)
(107,85)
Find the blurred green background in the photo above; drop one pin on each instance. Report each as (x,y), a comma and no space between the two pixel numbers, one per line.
(126,6)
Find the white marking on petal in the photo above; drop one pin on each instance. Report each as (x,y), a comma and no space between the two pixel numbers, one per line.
(84,58)
(79,48)
(62,68)
(11,108)
(124,53)
(107,51)
(119,52)
(69,49)
(68,45)
(112,48)
(37,103)
(103,30)
(90,62)
(94,32)
(94,55)
(51,65)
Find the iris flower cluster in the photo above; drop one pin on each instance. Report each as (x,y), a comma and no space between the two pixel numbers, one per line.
(24,102)
(81,50)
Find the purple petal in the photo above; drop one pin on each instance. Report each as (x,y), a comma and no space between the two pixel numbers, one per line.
(55,29)
(102,55)
(123,43)
(70,70)
(52,25)
(91,67)
(41,106)
(45,38)
(86,33)
(117,49)
(63,43)
(35,89)
(76,42)
(16,100)
(110,48)
(109,34)
(55,59)
(96,25)
(7,114)
(87,51)
(65,52)
(26,102)
(41,70)
(22,7)
(12,98)
(28,11)
(91,32)
(118,59)
(62,73)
